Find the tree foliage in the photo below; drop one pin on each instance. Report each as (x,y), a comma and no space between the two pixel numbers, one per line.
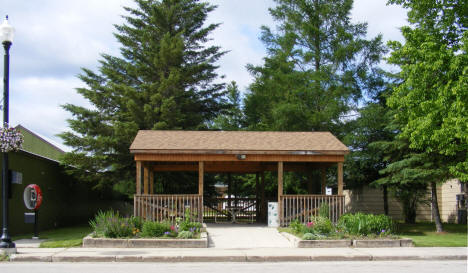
(318,66)
(432,101)
(232,119)
(164,79)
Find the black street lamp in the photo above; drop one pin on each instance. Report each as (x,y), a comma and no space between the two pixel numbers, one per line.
(6,36)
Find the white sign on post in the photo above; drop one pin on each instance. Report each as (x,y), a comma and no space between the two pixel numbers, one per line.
(328,191)
(273,220)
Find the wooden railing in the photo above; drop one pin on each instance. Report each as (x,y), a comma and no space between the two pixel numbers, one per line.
(168,207)
(220,210)
(303,207)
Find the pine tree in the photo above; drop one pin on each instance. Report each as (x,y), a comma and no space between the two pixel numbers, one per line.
(232,119)
(317,68)
(164,79)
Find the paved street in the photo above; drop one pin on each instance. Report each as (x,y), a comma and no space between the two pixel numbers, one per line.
(296,267)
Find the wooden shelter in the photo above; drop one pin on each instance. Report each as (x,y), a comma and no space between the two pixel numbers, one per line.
(235,152)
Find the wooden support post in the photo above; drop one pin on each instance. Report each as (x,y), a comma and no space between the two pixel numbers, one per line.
(323,178)
(229,194)
(201,173)
(280,191)
(257,198)
(340,178)
(138,177)
(263,206)
(145,180)
(151,181)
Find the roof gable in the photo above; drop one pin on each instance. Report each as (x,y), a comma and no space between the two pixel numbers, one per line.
(35,144)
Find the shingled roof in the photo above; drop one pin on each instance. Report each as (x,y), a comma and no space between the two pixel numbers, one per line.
(158,141)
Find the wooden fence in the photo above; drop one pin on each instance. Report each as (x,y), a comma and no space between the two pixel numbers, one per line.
(162,207)
(224,210)
(303,207)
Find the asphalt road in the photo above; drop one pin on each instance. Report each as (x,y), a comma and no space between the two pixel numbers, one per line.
(296,267)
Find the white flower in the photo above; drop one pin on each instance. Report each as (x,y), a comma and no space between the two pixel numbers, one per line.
(11,140)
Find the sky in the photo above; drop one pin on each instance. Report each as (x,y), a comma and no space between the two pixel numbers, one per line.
(54,39)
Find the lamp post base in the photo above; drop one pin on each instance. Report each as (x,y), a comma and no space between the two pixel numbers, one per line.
(4,244)
(5,241)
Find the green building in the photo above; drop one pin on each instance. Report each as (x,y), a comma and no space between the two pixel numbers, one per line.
(65,201)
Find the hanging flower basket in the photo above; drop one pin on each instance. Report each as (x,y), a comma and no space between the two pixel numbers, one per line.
(10,138)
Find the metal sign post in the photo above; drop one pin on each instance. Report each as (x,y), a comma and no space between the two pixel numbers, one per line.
(32,197)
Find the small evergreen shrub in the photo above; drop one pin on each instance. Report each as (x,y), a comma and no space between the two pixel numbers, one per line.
(156,229)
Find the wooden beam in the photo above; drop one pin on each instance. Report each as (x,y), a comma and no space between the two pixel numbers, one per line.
(323,174)
(231,167)
(145,180)
(229,157)
(201,174)
(138,177)
(280,190)
(340,178)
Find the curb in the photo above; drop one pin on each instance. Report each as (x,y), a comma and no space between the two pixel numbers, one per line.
(90,242)
(232,258)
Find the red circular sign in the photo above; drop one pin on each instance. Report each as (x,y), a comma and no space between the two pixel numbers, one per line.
(32,196)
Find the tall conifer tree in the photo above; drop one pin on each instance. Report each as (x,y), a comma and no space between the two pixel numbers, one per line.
(164,79)
(317,68)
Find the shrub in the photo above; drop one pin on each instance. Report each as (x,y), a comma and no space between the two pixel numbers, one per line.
(111,225)
(185,234)
(137,222)
(365,224)
(320,224)
(324,210)
(156,229)
(98,224)
(297,227)
(190,226)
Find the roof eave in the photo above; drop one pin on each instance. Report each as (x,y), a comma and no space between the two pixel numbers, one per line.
(221,152)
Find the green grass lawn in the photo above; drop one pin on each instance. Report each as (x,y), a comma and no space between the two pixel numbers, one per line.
(61,237)
(423,234)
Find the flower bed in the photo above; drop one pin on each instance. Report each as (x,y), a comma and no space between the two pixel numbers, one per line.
(357,230)
(112,230)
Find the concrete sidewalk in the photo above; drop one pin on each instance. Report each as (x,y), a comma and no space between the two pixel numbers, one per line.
(236,255)
(245,236)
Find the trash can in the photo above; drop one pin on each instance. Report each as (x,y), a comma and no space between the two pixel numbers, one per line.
(273,219)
